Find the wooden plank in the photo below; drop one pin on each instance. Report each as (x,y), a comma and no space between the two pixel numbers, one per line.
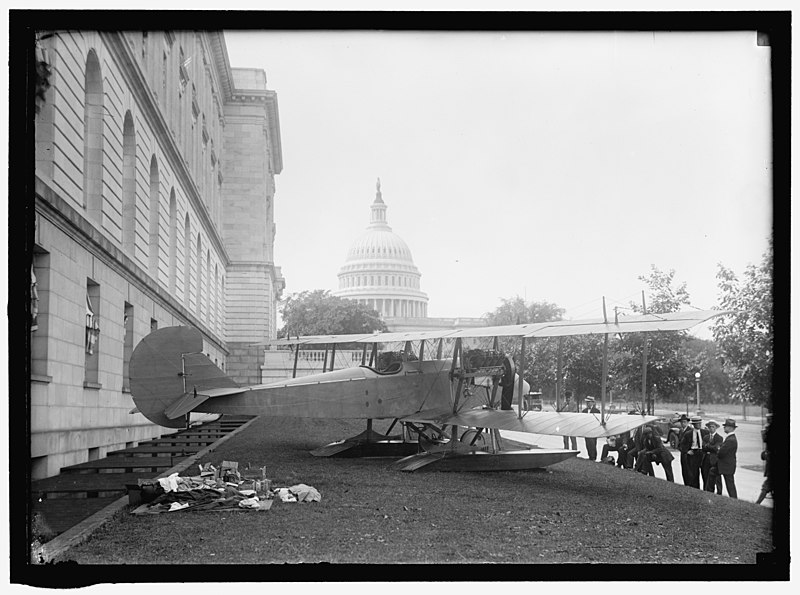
(87,482)
(155,450)
(122,463)
(178,441)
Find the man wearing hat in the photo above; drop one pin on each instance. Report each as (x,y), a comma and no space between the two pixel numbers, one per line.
(685,427)
(591,443)
(568,406)
(654,451)
(711,444)
(692,445)
(726,456)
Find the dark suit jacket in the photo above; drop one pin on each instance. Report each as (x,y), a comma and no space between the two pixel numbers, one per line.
(655,446)
(711,445)
(686,438)
(726,462)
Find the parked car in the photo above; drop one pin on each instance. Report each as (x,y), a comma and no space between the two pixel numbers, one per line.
(668,428)
(532,401)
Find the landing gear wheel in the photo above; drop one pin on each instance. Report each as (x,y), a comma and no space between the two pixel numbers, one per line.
(470,435)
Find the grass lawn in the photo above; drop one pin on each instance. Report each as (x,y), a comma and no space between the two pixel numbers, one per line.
(573,512)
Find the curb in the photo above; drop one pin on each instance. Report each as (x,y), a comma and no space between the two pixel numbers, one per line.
(79,533)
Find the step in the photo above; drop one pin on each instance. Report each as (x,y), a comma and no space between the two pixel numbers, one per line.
(209,434)
(88,483)
(128,463)
(156,450)
(179,441)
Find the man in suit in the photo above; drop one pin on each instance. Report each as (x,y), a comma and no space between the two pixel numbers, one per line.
(692,445)
(591,443)
(726,456)
(685,427)
(654,451)
(711,444)
(568,406)
(507,384)
(636,447)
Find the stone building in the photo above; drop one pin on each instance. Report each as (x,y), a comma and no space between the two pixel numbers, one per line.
(154,188)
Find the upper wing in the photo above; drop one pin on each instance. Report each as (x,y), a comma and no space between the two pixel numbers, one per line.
(549,423)
(672,321)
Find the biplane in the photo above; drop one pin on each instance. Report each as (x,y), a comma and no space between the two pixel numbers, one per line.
(446,405)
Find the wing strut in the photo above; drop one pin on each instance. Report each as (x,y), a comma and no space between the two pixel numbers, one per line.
(521,379)
(644,366)
(604,378)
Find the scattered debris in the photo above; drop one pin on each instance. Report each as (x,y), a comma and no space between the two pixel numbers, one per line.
(225,488)
(305,493)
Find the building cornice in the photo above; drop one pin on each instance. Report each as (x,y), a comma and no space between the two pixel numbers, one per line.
(219,51)
(391,293)
(60,213)
(269,101)
(129,66)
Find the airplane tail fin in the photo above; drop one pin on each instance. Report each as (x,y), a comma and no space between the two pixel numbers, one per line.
(167,369)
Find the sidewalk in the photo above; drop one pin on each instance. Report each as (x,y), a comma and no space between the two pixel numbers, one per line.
(748,483)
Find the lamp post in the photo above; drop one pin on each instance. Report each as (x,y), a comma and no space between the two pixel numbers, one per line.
(697,382)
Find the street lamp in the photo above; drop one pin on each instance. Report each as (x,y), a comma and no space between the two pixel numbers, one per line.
(697,381)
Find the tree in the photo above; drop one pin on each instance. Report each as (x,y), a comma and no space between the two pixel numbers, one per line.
(745,336)
(318,312)
(540,354)
(517,311)
(668,370)
(715,385)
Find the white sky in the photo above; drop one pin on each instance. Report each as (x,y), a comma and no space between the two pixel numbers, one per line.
(555,166)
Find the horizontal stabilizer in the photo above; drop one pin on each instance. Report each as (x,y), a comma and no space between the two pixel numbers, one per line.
(184,405)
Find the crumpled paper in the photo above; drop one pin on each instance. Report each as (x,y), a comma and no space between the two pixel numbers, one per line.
(169,484)
(249,503)
(305,493)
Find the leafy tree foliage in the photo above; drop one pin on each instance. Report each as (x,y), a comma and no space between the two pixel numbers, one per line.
(745,337)
(318,312)
(517,311)
(540,354)
(701,355)
(668,370)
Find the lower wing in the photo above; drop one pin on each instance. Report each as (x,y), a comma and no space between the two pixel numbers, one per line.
(584,425)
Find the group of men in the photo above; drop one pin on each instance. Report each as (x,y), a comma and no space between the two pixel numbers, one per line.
(704,452)
(707,454)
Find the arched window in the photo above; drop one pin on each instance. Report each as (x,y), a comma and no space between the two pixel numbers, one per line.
(93,139)
(187,260)
(199,265)
(154,216)
(173,240)
(221,304)
(215,307)
(128,185)
(210,290)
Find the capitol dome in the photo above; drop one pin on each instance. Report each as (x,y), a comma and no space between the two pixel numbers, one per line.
(379,270)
